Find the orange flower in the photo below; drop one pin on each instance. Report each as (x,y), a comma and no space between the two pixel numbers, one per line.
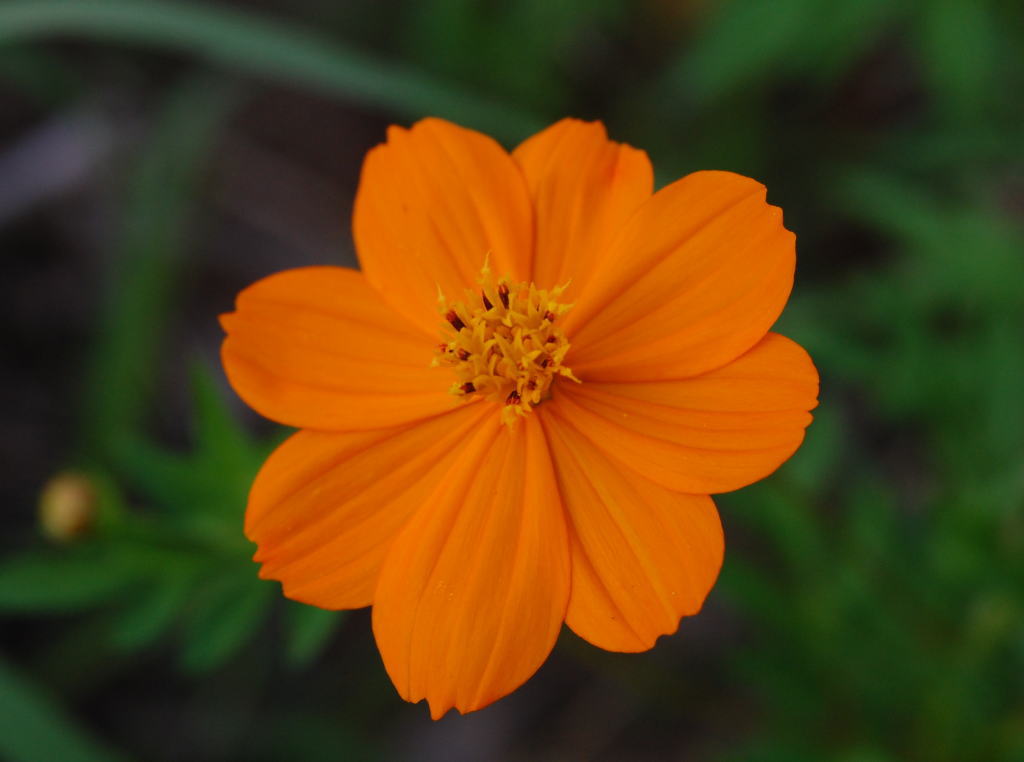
(514,414)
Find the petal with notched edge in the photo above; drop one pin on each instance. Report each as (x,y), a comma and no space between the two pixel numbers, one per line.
(584,188)
(433,203)
(695,279)
(317,348)
(474,590)
(713,433)
(642,556)
(326,506)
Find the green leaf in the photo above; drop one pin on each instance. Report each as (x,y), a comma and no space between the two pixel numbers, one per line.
(156,610)
(837,40)
(202,492)
(891,203)
(309,630)
(781,516)
(751,589)
(52,582)
(216,429)
(261,47)
(147,261)
(745,41)
(225,615)
(745,49)
(34,728)
(817,460)
(958,44)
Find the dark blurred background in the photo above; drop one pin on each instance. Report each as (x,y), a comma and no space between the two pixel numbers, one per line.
(156,157)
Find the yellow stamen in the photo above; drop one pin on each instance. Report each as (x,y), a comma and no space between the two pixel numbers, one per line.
(503,343)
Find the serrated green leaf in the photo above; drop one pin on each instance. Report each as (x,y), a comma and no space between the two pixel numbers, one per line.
(202,492)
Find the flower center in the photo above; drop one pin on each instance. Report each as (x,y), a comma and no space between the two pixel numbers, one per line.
(503,343)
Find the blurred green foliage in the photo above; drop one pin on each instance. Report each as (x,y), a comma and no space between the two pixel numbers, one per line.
(879,576)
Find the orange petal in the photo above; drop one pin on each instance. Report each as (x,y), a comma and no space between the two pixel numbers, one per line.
(317,348)
(584,188)
(433,203)
(326,507)
(696,278)
(642,556)
(474,590)
(713,433)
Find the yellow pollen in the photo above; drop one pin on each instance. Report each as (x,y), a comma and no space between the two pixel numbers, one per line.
(504,344)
